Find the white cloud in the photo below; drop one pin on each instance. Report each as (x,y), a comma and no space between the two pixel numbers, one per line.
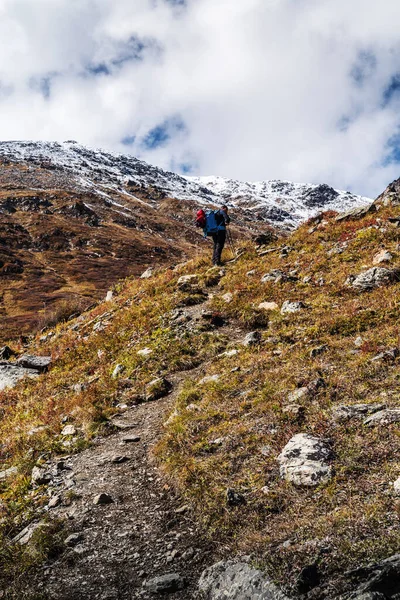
(267,89)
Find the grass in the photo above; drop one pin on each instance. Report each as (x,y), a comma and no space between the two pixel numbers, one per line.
(227,433)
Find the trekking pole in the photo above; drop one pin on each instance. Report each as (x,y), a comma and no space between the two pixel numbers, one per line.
(230,242)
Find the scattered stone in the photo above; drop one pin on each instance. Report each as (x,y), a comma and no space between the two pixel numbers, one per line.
(7,473)
(118,459)
(396,487)
(383,417)
(358,342)
(102,499)
(234,498)
(382,256)
(40,476)
(372,278)
(228,297)
(6,353)
(356,213)
(109,296)
(298,394)
(276,276)
(251,339)
(37,363)
(158,388)
(147,274)
(10,374)
(250,273)
(186,282)
(145,352)
(165,584)
(230,580)
(25,536)
(388,355)
(117,370)
(54,501)
(209,379)
(318,350)
(68,430)
(73,539)
(294,410)
(131,439)
(303,461)
(355,411)
(378,581)
(292,307)
(268,306)
(229,353)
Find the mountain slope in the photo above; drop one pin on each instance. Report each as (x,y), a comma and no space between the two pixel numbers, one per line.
(321,365)
(73,221)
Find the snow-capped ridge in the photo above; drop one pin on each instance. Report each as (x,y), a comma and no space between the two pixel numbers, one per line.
(282,203)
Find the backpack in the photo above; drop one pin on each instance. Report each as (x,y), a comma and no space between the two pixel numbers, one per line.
(201,219)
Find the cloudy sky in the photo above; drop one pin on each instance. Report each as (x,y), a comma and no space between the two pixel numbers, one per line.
(305,90)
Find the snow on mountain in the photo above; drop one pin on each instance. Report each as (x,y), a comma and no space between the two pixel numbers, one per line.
(279,202)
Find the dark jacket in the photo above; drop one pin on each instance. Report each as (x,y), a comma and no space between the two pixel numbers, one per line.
(222,219)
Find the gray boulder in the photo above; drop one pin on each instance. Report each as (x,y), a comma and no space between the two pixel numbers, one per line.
(11,374)
(165,584)
(355,411)
(304,461)
(158,388)
(230,580)
(384,417)
(40,476)
(292,307)
(251,339)
(372,278)
(356,213)
(37,363)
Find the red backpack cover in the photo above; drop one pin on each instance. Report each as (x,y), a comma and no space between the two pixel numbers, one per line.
(201,218)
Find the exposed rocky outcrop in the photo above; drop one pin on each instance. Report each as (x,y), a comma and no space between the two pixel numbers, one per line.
(304,461)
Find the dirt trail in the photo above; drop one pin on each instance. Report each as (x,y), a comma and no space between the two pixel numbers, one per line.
(144,533)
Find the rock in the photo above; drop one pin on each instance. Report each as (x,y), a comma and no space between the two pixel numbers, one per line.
(268,306)
(276,276)
(119,459)
(165,584)
(230,580)
(318,350)
(68,430)
(37,363)
(251,339)
(382,256)
(73,539)
(145,352)
(356,213)
(131,439)
(109,296)
(40,476)
(372,278)
(358,342)
(158,388)
(102,499)
(11,374)
(6,353)
(7,473)
(25,536)
(54,501)
(378,581)
(388,355)
(209,379)
(234,498)
(228,297)
(186,282)
(292,307)
(118,369)
(298,394)
(304,461)
(229,353)
(294,410)
(147,274)
(251,273)
(396,487)
(383,417)
(355,411)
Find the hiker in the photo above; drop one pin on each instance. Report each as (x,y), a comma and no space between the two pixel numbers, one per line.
(214,224)
(219,237)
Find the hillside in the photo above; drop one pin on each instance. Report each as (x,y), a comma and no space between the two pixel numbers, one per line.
(267,392)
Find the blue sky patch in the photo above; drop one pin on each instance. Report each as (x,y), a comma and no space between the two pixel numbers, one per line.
(162,133)
(391,90)
(43,84)
(100,69)
(128,140)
